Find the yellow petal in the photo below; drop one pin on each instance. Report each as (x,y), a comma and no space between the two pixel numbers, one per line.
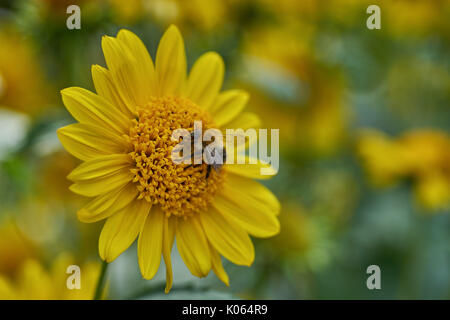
(134,85)
(121,229)
(150,243)
(193,247)
(100,166)
(258,223)
(251,168)
(230,240)
(168,238)
(228,106)
(143,58)
(205,79)
(89,108)
(105,87)
(86,141)
(218,267)
(171,63)
(245,121)
(250,195)
(107,204)
(102,185)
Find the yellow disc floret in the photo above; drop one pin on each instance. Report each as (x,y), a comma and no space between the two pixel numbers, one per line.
(180,189)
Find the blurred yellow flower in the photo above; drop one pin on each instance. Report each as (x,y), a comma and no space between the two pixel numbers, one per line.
(308,105)
(22,81)
(15,248)
(423,155)
(34,282)
(124,138)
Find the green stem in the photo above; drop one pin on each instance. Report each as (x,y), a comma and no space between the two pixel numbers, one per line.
(101,282)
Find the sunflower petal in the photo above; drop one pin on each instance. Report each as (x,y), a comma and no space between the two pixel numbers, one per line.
(102,185)
(205,79)
(250,195)
(250,168)
(228,106)
(121,229)
(86,141)
(150,243)
(143,58)
(260,224)
(218,267)
(107,204)
(168,238)
(245,121)
(100,166)
(105,87)
(230,240)
(89,108)
(133,84)
(171,63)
(193,246)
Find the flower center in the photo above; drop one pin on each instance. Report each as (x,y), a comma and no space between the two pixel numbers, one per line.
(180,189)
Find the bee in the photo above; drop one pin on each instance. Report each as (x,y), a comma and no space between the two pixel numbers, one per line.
(210,155)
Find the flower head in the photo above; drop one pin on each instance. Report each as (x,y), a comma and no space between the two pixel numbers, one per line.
(124,138)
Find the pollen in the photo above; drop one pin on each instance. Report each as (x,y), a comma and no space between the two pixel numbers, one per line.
(179,189)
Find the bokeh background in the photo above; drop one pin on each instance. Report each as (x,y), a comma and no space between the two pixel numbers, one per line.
(364,121)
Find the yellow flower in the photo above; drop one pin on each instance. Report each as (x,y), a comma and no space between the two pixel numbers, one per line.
(307,106)
(423,155)
(34,282)
(15,248)
(18,90)
(124,138)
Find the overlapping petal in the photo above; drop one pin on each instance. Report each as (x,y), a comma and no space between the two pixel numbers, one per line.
(252,196)
(150,243)
(171,63)
(205,79)
(228,105)
(107,204)
(193,246)
(100,166)
(230,240)
(101,185)
(89,108)
(121,229)
(86,141)
(217,267)
(250,168)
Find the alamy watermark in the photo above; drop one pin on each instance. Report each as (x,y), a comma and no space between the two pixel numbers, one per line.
(374,20)
(74,20)
(74,280)
(374,280)
(211,147)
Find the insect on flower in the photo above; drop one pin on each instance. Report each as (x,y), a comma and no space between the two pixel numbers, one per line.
(124,138)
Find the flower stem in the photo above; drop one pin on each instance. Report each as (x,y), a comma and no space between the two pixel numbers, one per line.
(101,281)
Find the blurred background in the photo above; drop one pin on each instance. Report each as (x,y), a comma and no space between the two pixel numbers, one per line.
(364,121)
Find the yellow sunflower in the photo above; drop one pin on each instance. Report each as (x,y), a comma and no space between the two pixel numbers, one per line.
(35,281)
(124,138)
